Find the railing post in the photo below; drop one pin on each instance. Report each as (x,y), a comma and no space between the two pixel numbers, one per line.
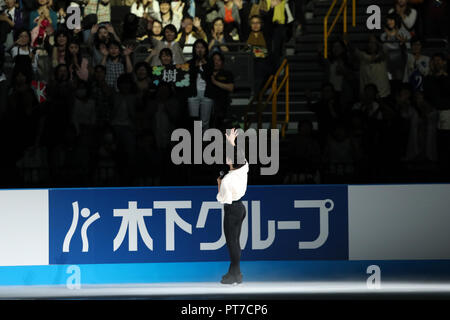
(283,133)
(345,16)
(342,10)
(354,13)
(274,102)
(325,37)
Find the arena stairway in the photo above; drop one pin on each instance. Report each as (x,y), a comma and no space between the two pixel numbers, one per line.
(306,71)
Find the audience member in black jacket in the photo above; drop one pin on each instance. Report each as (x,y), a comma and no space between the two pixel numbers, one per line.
(200,104)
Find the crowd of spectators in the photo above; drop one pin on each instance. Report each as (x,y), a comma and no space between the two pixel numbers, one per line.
(383,114)
(78,106)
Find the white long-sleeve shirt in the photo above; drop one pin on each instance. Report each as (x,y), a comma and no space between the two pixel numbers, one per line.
(409,20)
(234,185)
(422,64)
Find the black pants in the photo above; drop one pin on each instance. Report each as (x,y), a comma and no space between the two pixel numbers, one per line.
(4,30)
(278,42)
(234,215)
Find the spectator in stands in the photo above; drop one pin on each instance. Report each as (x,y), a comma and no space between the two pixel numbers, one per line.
(373,67)
(79,35)
(277,13)
(300,16)
(258,42)
(168,15)
(370,112)
(60,48)
(327,111)
(60,9)
(189,35)
(42,27)
(222,85)
(103,95)
(437,82)
(58,114)
(84,122)
(256,38)
(99,38)
(168,72)
(11,21)
(20,86)
(156,31)
(340,154)
(219,37)
(149,161)
(106,159)
(228,10)
(116,62)
(140,8)
(166,57)
(367,146)
(43,12)
(369,106)
(168,41)
(123,122)
(200,71)
(436,22)
(142,78)
(130,25)
(427,127)
(23,47)
(21,123)
(409,121)
(144,87)
(166,116)
(23,112)
(340,72)
(417,66)
(304,162)
(166,113)
(101,8)
(436,91)
(78,65)
(394,42)
(407,15)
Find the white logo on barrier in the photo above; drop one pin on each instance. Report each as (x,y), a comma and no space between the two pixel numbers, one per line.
(257,242)
(84,213)
(201,221)
(325,207)
(133,221)
(172,218)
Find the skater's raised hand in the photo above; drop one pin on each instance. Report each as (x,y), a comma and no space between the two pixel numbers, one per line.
(231,136)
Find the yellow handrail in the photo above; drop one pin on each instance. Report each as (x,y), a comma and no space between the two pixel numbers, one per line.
(259,99)
(327,31)
(275,91)
(273,97)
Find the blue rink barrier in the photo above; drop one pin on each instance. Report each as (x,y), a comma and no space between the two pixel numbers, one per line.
(284,271)
(175,234)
